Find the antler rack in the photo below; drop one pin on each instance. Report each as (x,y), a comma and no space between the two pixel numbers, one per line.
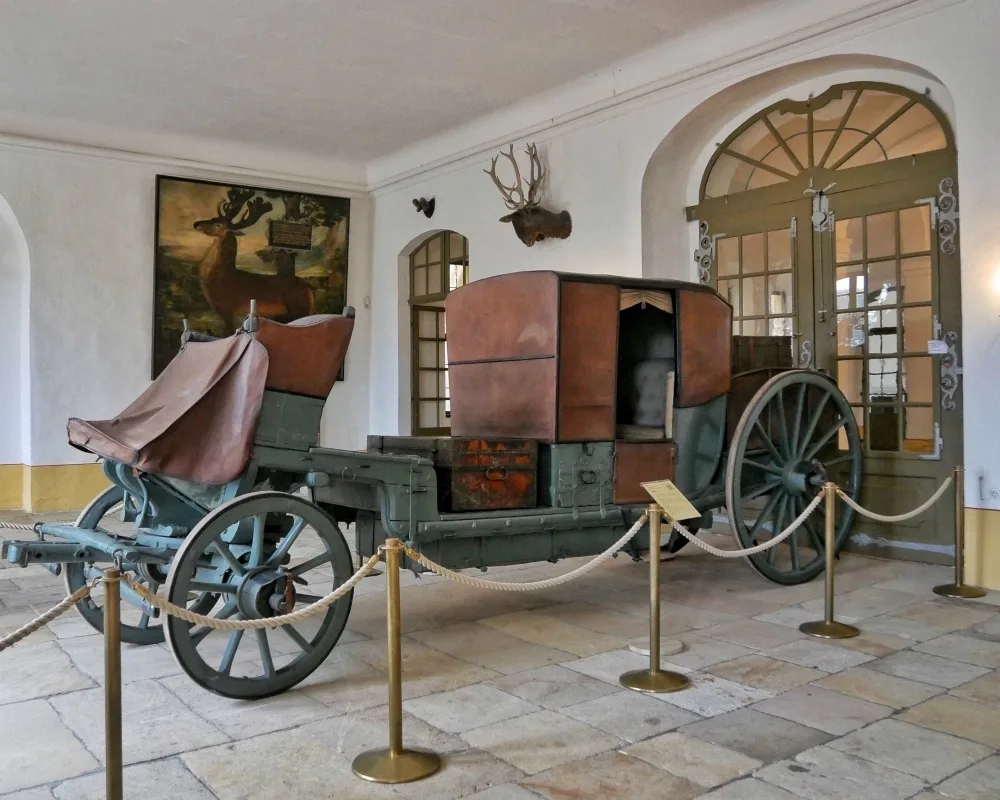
(515,197)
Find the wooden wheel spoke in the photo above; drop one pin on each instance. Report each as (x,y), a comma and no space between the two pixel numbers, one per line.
(298,638)
(257,542)
(811,427)
(760,490)
(212,587)
(286,543)
(226,665)
(227,555)
(199,635)
(775,455)
(786,444)
(764,515)
(312,563)
(824,439)
(800,400)
(265,652)
(817,541)
(769,468)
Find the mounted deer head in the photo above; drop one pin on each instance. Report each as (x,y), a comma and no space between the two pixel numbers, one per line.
(531,222)
(226,221)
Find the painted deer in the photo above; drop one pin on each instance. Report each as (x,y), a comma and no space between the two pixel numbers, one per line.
(229,290)
(531,222)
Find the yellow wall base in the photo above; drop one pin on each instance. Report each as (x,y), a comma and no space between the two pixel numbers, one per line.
(59,487)
(982,547)
(11,486)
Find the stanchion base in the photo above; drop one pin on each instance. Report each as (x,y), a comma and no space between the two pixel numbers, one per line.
(829,630)
(644,680)
(963,591)
(381,766)
(668,647)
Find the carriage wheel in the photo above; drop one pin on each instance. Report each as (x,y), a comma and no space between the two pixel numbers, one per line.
(797,432)
(293,555)
(113,510)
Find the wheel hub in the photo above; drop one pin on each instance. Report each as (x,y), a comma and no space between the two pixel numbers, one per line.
(804,477)
(265,592)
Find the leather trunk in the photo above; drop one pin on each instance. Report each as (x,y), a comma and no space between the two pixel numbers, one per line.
(641,462)
(473,474)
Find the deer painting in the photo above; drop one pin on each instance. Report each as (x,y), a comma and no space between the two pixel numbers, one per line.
(531,222)
(229,290)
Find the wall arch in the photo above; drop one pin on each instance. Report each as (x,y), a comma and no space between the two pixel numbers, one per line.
(405,289)
(14,282)
(673,174)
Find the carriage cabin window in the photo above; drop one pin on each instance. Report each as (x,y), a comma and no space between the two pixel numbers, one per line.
(439,265)
(646,366)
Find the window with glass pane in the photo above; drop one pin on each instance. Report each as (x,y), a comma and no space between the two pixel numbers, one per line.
(850,125)
(438,266)
(755,276)
(884,321)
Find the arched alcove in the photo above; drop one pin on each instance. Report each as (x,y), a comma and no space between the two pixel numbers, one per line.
(14,265)
(674,171)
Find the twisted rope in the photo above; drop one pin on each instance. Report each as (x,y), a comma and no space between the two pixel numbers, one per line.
(255,624)
(760,548)
(61,607)
(548,583)
(14,526)
(897,517)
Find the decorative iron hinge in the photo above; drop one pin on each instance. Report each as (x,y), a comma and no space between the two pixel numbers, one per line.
(704,255)
(794,227)
(951,372)
(947,216)
(805,354)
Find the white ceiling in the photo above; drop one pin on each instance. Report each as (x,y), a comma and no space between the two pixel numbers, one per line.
(352,79)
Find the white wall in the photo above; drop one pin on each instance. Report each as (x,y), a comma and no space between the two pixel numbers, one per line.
(13,321)
(597,162)
(88,220)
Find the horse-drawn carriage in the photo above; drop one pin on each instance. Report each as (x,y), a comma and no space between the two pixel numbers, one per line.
(567,393)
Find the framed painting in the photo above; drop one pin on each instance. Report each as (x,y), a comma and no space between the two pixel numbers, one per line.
(221,245)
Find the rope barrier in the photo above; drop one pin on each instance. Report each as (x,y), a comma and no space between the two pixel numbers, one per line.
(760,548)
(531,586)
(14,526)
(40,622)
(255,624)
(897,517)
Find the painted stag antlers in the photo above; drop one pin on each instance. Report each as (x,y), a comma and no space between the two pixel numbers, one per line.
(531,222)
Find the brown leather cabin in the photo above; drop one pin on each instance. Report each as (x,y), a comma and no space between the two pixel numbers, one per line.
(564,358)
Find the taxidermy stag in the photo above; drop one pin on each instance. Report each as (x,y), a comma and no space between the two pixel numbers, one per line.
(531,222)
(229,290)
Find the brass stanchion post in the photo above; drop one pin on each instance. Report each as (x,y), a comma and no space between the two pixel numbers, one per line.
(112,684)
(828,627)
(959,588)
(395,764)
(654,680)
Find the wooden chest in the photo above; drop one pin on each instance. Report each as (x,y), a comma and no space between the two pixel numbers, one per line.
(473,474)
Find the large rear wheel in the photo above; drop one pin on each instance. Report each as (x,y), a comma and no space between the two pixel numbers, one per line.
(796,433)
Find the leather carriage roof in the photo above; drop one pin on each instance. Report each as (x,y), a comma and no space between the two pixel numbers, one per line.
(624,281)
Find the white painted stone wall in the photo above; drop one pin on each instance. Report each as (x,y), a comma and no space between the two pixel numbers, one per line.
(88,223)
(598,160)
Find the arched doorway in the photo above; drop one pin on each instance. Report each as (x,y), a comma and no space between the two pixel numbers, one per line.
(832,221)
(438,265)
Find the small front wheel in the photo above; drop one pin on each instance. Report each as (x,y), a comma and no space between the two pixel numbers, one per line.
(262,555)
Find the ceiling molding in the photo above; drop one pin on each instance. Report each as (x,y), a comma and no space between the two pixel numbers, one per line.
(882,13)
(354,186)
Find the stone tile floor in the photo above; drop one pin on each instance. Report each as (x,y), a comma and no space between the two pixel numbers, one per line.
(520,694)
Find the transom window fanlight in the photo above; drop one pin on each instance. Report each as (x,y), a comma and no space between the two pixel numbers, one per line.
(850,125)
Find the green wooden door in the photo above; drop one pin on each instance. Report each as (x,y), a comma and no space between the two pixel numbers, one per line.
(883,294)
